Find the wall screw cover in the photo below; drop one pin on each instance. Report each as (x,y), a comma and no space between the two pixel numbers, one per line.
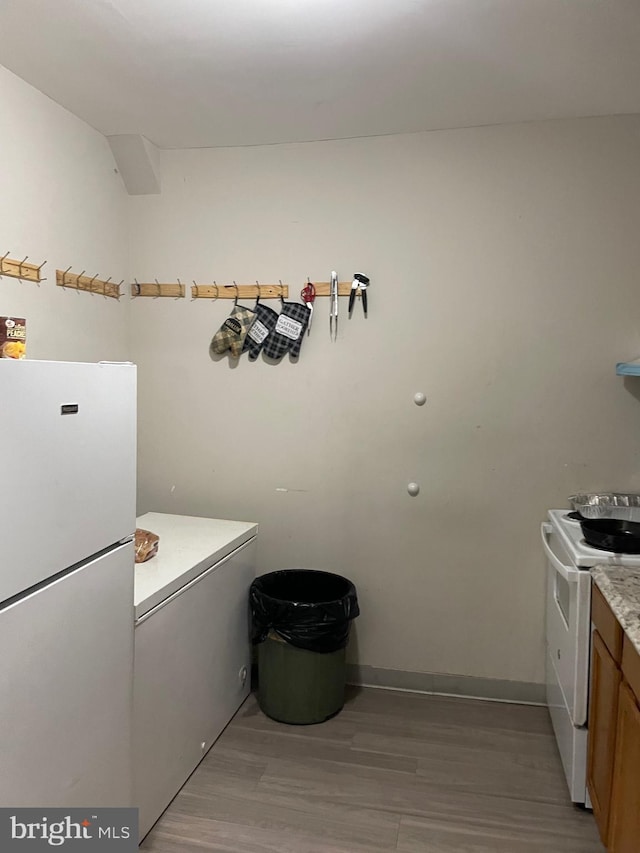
(413,489)
(419,399)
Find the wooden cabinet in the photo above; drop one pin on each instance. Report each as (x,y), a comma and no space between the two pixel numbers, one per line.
(613,761)
(631,667)
(606,624)
(603,715)
(624,834)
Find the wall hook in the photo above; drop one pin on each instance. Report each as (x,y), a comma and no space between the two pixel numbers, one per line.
(40,278)
(2,260)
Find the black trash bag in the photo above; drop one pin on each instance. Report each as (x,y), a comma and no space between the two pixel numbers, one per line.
(309,609)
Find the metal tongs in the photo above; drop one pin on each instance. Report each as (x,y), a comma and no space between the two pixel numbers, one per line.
(333,307)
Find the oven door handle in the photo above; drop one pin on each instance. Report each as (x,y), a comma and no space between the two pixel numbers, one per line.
(569,574)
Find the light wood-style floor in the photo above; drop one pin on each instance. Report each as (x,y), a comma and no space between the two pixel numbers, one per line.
(393,771)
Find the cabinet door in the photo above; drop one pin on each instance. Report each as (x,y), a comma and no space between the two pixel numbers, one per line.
(624,831)
(603,713)
(191,673)
(606,624)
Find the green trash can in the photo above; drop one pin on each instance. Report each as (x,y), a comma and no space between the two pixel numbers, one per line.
(301,620)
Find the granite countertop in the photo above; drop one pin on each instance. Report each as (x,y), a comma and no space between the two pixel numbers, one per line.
(620,586)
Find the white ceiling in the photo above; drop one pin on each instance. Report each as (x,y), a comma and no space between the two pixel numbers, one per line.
(192,73)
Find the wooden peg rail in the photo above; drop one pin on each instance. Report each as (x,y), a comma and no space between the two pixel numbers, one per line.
(64,278)
(267,291)
(243,291)
(20,269)
(323,288)
(157,290)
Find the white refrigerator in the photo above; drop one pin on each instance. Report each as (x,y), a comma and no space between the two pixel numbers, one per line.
(67,521)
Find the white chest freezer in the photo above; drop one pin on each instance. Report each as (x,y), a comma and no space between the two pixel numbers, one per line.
(192,649)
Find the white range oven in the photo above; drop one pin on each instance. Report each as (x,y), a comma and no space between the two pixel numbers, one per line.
(568,633)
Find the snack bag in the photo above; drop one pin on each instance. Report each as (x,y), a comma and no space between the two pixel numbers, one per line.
(13,337)
(146,545)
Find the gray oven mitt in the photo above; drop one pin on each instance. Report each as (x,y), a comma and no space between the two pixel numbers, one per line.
(231,335)
(289,330)
(265,323)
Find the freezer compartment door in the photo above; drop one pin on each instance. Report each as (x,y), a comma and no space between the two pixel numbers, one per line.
(67,465)
(66,689)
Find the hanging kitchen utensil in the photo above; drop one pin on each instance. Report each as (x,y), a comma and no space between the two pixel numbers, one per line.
(359,284)
(333,307)
(308,294)
(231,335)
(289,331)
(265,323)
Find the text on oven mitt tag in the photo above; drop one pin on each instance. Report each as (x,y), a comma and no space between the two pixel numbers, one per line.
(288,333)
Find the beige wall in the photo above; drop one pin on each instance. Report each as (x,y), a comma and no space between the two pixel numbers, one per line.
(505,285)
(504,265)
(60,201)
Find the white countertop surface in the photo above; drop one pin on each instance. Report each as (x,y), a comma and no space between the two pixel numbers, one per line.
(188,546)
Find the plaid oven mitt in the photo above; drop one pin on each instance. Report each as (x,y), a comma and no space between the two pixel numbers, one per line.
(265,323)
(289,330)
(232,333)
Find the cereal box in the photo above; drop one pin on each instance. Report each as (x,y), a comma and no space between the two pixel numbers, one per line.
(13,337)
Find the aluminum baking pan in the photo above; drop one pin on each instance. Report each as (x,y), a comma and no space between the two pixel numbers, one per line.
(619,505)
